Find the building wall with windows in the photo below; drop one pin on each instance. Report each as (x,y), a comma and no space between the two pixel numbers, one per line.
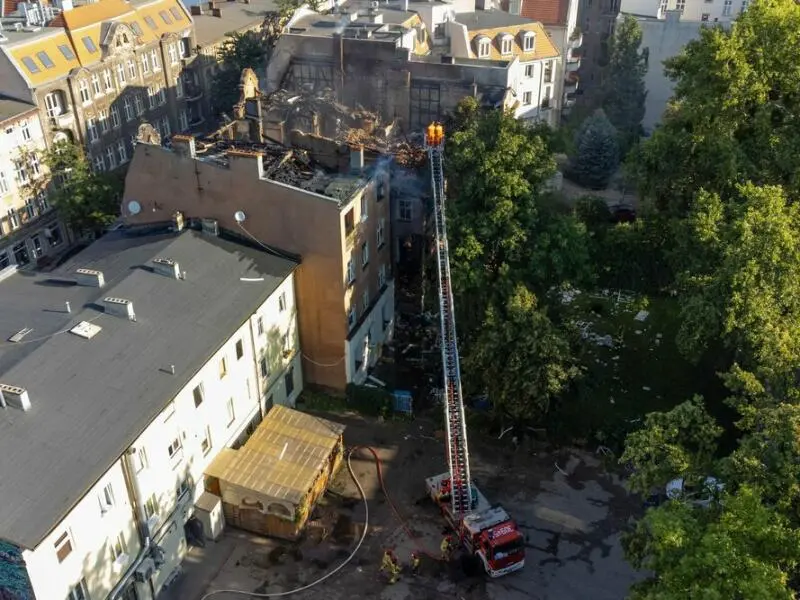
(704,11)
(29,230)
(97,71)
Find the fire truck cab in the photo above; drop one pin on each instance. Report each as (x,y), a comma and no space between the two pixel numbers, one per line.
(487,532)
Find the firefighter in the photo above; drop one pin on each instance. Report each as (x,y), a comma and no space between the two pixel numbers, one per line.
(415,563)
(446,547)
(439,134)
(391,565)
(432,134)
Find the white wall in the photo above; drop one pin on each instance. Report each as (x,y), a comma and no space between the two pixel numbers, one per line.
(92,532)
(693,10)
(365,343)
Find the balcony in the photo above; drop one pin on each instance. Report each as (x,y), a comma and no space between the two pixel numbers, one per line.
(63,121)
(571,83)
(576,40)
(573,61)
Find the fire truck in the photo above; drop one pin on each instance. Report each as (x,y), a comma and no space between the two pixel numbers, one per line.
(485,531)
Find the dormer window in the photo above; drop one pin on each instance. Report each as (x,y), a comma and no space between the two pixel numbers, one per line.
(528,41)
(506,44)
(483,46)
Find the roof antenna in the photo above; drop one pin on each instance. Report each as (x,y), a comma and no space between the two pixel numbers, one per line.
(172,369)
(69,308)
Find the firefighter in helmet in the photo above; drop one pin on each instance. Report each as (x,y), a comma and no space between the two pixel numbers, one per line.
(391,565)
(415,560)
(446,547)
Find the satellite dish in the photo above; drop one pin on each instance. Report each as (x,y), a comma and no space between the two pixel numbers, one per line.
(134,207)
(239,216)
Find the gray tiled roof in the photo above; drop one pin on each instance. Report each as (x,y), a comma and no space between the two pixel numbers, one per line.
(90,399)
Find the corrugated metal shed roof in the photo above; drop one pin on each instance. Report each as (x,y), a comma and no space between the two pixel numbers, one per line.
(282,458)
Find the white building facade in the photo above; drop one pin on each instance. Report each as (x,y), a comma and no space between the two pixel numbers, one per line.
(29,228)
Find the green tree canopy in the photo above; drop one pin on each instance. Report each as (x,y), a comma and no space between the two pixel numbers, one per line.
(734,115)
(596,156)
(520,359)
(625,94)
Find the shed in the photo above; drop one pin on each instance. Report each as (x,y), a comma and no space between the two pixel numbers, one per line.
(270,485)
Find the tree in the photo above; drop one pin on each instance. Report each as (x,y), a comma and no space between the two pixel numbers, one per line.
(88,201)
(740,549)
(624,98)
(596,155)
(734,114)
(678,443)
(520,359)
(742,280)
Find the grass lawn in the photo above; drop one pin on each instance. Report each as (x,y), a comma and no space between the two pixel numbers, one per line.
(639,372)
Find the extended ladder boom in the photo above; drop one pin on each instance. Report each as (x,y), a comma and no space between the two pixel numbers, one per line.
(458,452)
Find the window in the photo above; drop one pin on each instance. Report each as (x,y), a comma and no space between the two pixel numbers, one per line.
(155,63)
(175,447)
(198,395)
(382,276)
(25,131)
(176,14)
(115,122)
(364,254)
(45,59)
(173,54)
(137,29)
(380,190)
(546,98)
(364,207)
(3,183)
(380,233)
(21,254)
(54,237)
(52,103)
(506,44)
(260,325)
(78,591)
(165,127)
(183,120)
(89,44)
(67,52)
(121,75)
(727,8)
(165,17)
(231,412)
(239,350)
(122,152)
(96,85)
(288,380)
(107,80)
(111,156)
(351,272)
(365,301)
(182,489)
(107,497)
(205,443)
(351,317)
(349,223)
(527,98)
(132,68)
(128,105)
(704,17)
(404,211)
(528,71)
(118,547)
(35,166)
(145,63)
(264,366)
(680,5)
(91,129)
(528,41)
(140,460)
(13,218)
(63,546)
(139,103)
(282,302)
(21,172)
(151,23)
(30,209)
(744,5)
(83,90)
(151,97)
(151,506)
(102,118)
(483,48)
(179,87)
(548,72)
(99,163)
(223,367)
(29,64)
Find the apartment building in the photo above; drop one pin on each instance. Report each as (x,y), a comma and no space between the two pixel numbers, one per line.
(597,20)
(30,232)
(129,369)
(98,70)
(386,59)
(667,26)
(322,204)
(498,35)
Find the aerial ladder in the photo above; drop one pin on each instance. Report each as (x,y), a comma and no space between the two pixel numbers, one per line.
(486,531)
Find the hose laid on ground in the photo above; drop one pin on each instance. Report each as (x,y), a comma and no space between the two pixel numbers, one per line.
(360,541)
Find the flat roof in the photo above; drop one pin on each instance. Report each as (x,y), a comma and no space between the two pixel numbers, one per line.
(283,457)
(91,398)
(490,19)
(234,16)
(11,109)
(392,27)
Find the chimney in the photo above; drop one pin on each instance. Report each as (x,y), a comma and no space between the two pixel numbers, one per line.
(357,159)
(246,161)
(183,145)
(90,278)
(672,16)
(405,5)
(448,60)
(15,396)
(216,12)
(66,5)
(168,267)
(196,10)
(514,7)
(119,307)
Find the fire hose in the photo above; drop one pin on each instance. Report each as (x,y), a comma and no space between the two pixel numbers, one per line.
(352,555)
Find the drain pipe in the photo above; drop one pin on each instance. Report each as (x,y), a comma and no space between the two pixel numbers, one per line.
(135,495)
